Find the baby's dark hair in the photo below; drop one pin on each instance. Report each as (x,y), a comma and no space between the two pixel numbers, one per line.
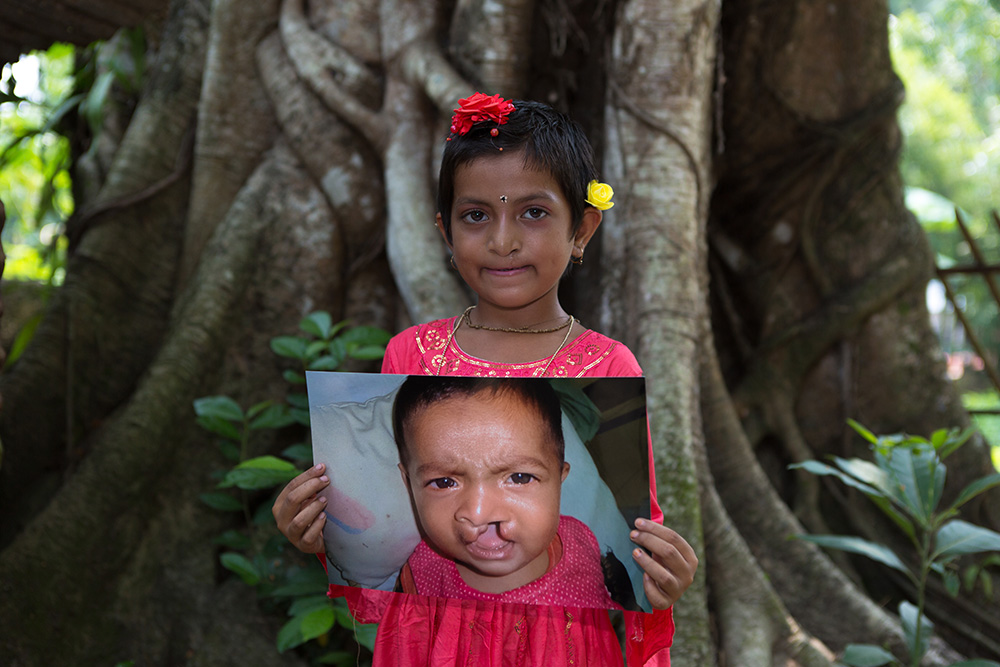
(548,140)
(418,392)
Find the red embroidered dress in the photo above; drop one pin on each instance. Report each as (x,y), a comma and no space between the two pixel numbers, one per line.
(420,630)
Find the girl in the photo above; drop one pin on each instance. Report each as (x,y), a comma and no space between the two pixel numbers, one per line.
(518,200)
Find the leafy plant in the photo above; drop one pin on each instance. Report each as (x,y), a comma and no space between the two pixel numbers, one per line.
(255,553)
(906,481)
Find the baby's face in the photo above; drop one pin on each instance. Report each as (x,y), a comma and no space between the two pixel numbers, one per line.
(485,482)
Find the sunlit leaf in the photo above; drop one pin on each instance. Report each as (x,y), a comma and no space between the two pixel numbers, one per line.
(242,566)
(876,552)
(958,537)
(866,655)
(260,473)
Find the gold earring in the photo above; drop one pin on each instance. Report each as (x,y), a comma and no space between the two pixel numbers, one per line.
(453,265)
(576,260)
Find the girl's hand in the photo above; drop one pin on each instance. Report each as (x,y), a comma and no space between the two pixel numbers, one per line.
(298,511)
(669,566)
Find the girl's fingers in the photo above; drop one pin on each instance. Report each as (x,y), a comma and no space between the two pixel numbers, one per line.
(296,492)
(669,565)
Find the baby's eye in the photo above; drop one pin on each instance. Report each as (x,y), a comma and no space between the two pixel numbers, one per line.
(442,483)
(474,216)
(521,478)
(535,213)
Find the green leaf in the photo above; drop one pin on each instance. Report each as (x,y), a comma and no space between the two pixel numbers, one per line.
(219,407)
(876,552)
(908,615)
(958,537)
(306,581)
(290,634)
(317,323)
(365,633)
(260,473)
(955,440)
(317,622)
(918,475)
(315,349)
(866,655)
(367,352)
(300,416)
(952,584)
(292,347)
(304,605)
(221,501)
(865,433)
(366,336)
(325,363)
(300,401)
(817,468)
(233,539)
(230,450)
(242,566)
(299,452)
(293,377)
(975,488)
(222,427)
(868,473)
(976,663)
(275,416)
(336,658)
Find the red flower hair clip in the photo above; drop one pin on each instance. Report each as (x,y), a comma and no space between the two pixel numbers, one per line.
(478,108)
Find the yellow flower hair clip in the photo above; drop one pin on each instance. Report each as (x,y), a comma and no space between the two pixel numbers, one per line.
(599,195)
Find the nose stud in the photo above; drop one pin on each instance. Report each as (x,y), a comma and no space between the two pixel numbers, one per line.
(503,198)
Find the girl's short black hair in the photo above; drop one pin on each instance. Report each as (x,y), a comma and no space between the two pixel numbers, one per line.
(420,391)
(548,140)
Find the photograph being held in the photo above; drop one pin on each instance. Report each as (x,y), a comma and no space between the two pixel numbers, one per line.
(483,461)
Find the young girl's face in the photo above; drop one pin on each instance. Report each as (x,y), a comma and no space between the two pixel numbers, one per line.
(485,482)
(511,231)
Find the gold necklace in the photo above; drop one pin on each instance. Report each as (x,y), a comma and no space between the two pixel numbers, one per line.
(528,330)
(458,323)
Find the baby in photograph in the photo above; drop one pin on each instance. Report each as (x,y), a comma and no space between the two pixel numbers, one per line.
(483,461)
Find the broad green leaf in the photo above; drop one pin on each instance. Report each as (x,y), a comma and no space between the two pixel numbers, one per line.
(915,473)
(876,552)
(242,566)
(293,377)
(317,622)
(290,634)
(317,323)
(364,634)
(233,539)
(300,416)
(952,583)
(939,437)
(325,363)
(956,440)
(367,352)
(222,427)
(219,407)
(292,347)
(908,616)
(258,408)
(958,537)
(221,501)
(975,488)
(260,473)
(817,468)
(366,336)
(862,431)
(866,655)
(300,401)
(306,581)
(868,473)
(275,416)
(299,452)
(304,605)
(315,349)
